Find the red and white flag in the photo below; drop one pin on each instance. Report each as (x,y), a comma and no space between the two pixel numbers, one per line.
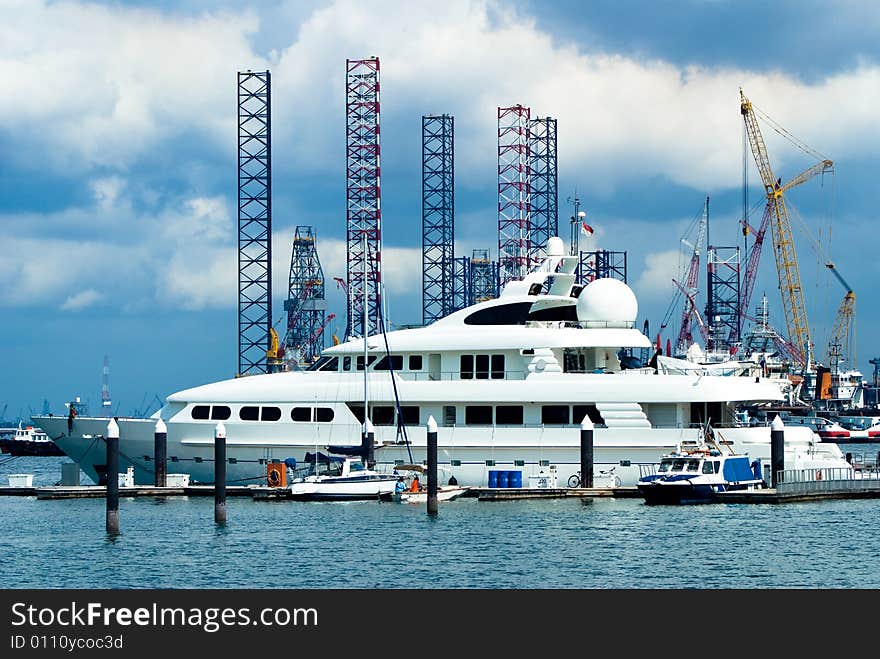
(586,229)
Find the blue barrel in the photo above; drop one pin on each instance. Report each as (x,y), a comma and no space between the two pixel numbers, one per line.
(502,479)
(514,479)
(493,478)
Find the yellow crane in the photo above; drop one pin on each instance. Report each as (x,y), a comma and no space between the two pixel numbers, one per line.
(841,343)
(783,243)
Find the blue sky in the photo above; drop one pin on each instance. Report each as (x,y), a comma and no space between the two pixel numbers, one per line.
(118,170)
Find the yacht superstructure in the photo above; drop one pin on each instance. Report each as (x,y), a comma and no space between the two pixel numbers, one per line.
(508,381)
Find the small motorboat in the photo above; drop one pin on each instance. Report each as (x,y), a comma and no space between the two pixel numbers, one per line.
(444,493)
(340,478)
(413,479)
(696,475)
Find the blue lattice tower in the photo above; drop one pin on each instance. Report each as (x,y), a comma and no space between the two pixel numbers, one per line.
(438,216)
(254,221)
(363,208)
(601,264)
(461,283)
(305,304)
(514,231)
(484,277)
(544,192)
(722,307)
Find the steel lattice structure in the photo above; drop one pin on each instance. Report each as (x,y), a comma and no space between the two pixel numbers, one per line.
(305,304)
(438,216)
(484,282)
(363,209)
(461,283)
(601,264)
(722,306)
(514,230)
(544,206)
(254,221)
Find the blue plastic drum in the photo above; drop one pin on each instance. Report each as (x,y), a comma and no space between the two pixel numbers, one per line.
(514,479)
(493,478)
(503,480)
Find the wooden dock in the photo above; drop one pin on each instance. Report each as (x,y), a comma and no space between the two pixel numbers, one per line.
(518,494)
(99,491)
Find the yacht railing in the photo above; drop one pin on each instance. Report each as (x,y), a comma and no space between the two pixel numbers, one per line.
(583,324)
(828,479)
(456,375)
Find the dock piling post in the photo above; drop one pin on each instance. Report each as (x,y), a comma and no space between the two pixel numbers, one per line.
(777,450)
(112,440)
(160,453)
(432,466)
(367,441)
(586,452)
(220,474)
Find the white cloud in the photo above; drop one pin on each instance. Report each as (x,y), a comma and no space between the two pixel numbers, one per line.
(659,270)
(81,300)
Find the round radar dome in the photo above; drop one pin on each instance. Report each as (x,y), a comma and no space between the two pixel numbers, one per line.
(555,247)
(607,301)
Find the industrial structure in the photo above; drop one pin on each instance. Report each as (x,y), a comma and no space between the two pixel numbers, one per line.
(543,187)
(438,216)
(305,305)
(514,193)
(254,221)
(601,264)
(363,195)
(106,402)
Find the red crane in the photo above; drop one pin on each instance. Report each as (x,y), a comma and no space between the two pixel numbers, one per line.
(690,289)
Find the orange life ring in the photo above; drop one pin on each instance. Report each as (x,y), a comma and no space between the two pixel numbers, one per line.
(819,475)
(274,477)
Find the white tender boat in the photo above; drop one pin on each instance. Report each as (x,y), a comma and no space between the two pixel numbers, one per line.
(509,381)
(332,478)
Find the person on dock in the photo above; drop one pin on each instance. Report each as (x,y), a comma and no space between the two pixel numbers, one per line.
(70,417)
(416,485)
(400,486)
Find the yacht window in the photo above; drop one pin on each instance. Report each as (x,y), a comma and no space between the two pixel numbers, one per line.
(415,362)
(576,290)
(578,412)
(270,414)
(566,313)
(331,365)
(467,367)
(382,415)
(497,367)
(395,361)
(346,363)
(302,414)
(200,412)
(220,413)
(693,465)
(324,414)
(410,414)
(514,313)
(482,369)
(355,466)
(534,289)
(249,413)
(449,415)
(665,465)
(678,465)
(360,361)
(716,465)
(707,467)
(509,415)
(318,364)
(357,410)
(555,415)
(478,415)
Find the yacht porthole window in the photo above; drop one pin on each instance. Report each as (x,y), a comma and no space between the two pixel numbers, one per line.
(200,412)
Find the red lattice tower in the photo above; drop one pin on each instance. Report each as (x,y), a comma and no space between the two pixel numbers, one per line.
(363,210)
(514,173)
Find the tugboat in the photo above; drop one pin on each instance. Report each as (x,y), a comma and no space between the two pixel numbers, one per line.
(696,475)
(28,440)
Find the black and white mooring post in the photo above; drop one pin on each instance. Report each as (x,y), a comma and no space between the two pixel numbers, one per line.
(432,466)
(367,444)
(586,452)
(220,473)
(160,453)
(777,450)
(112,440)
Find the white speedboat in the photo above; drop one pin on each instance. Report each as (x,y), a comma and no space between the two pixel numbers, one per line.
(508,380)
(444,493)
(332,478)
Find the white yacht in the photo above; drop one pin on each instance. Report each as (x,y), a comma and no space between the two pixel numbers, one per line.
(508,380)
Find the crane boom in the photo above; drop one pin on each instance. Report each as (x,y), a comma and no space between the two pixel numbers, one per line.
(840,343)
(786,259)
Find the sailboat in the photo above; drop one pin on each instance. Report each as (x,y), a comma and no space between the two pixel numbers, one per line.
(347,477)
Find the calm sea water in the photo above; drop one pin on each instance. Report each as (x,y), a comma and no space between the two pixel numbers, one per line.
(173,543)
